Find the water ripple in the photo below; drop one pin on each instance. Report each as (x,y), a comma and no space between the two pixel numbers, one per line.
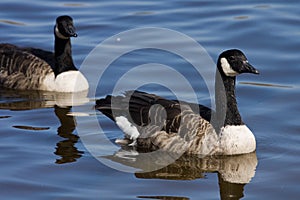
(12,22)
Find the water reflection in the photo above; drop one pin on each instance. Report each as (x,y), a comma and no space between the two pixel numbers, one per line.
(66,148)
(28,100)
(163,197)
(234,172)
(62,104)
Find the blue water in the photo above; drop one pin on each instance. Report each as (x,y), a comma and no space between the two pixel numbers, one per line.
(43,156)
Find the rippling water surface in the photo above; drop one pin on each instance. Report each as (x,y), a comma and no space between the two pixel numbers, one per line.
(42,153)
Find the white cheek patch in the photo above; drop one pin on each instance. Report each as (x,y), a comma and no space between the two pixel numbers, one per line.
(227,68)
(58,34)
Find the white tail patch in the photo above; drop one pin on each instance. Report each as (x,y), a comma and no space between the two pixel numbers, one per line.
(128,129)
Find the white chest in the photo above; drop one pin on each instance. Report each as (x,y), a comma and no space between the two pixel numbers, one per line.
(236,140)
(70,81)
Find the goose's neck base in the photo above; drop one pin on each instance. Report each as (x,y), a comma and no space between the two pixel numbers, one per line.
(63,55)
(227,112)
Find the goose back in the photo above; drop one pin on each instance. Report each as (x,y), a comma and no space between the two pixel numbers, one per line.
(36,69)
(47,56)
(20,69)
(162,124)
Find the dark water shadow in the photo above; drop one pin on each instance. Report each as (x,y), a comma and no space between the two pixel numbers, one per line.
(66,148)
(163,197)
(233,172)
(62,103)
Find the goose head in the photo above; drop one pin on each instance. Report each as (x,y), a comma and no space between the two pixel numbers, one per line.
(233,62)
(64,28)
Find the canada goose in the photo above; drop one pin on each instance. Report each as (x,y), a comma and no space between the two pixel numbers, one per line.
(151,122)
(36,69)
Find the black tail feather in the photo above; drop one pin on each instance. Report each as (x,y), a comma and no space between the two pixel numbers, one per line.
(142,109)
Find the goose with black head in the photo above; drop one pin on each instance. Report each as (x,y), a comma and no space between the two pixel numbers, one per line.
(176,126)
(27,68)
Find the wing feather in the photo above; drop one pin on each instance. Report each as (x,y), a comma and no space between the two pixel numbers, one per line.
(20,69)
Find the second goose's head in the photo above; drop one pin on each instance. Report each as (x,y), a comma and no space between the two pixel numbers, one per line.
(64,28)
(233,62)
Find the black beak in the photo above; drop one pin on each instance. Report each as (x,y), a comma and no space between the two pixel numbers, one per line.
(248,68)
(70,30)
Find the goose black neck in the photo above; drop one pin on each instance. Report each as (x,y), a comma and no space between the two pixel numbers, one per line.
(227,112)
(63,55)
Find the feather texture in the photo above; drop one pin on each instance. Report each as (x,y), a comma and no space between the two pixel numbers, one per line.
(162,124)
(36,69)
(182,127)
(20,69)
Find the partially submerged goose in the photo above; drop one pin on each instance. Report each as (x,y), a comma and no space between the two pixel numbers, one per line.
(151,122)
(36,69)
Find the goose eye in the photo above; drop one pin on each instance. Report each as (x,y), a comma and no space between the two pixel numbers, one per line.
(231,58)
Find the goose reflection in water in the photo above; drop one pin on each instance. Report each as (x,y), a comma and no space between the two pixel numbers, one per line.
(233,172)
(66,148)
(62,104)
